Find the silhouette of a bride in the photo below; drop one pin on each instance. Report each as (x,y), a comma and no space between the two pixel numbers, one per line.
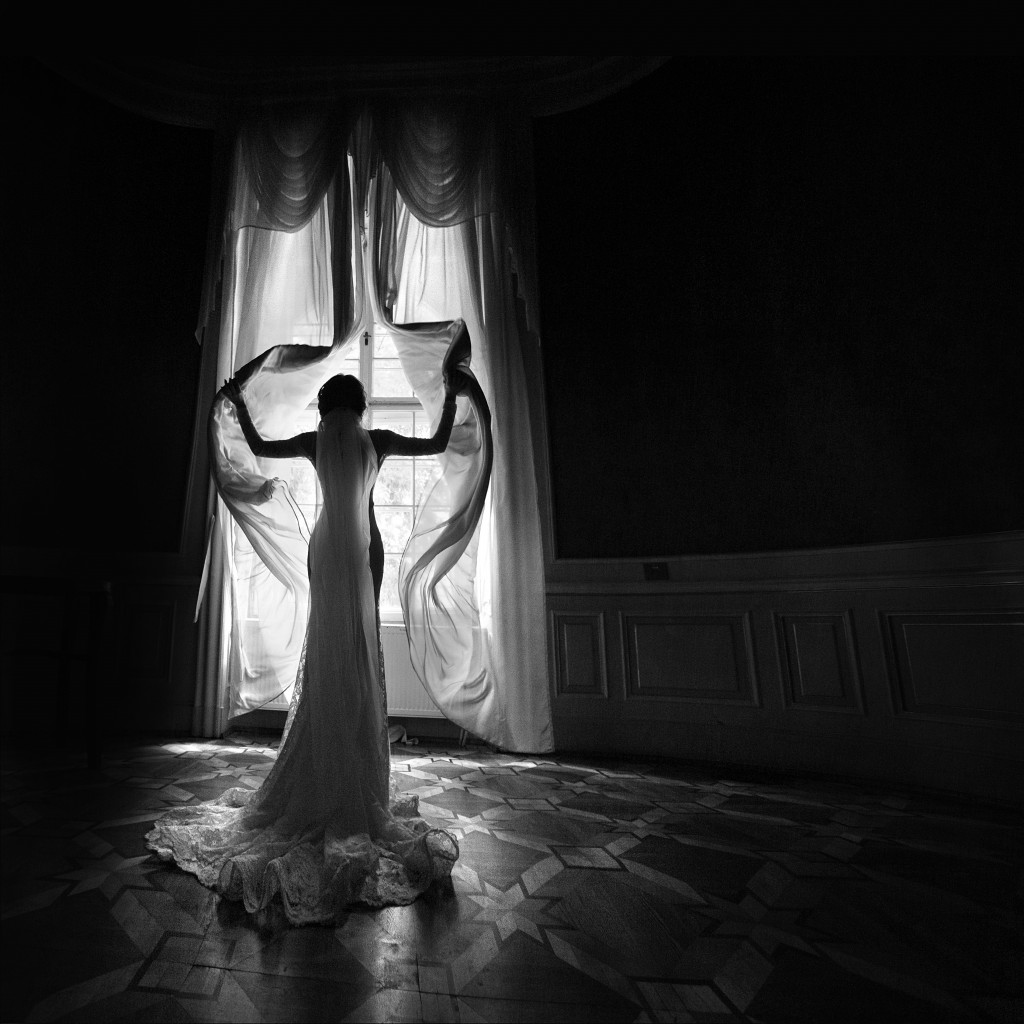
(328,827)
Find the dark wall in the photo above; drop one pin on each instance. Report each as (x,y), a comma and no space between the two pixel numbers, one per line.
(781,306)
(782,297)
(106,234)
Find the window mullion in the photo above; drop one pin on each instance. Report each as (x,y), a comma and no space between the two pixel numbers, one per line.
(366,360)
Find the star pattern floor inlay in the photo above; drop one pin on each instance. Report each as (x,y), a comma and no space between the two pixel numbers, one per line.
(587,889)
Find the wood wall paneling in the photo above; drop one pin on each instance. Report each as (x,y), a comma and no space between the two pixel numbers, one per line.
(907,678)
(817,662)
(692,658)
(580,662)
(956,665)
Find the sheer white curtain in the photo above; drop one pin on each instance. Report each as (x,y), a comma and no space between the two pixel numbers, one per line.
(427,184)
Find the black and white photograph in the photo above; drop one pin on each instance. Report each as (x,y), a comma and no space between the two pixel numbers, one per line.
(513,538)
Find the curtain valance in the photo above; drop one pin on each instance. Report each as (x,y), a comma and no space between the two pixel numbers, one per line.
(290,157)
(441,156)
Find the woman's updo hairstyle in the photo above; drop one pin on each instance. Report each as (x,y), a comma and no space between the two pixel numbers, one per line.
(342,391)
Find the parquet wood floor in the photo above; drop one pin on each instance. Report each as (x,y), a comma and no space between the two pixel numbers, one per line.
(587,889)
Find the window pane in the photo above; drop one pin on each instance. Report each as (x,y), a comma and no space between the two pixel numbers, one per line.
(395,526)
(384,347)
(350,364)
(389,380)
(310,334)
(394,484)
(398,420)
(422,426)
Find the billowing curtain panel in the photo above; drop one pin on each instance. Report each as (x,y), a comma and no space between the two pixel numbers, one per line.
(295,297)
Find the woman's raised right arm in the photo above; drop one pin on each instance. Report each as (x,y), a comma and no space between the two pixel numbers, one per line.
(299,446)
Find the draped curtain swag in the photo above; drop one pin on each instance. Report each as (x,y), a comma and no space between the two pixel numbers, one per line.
(410,215)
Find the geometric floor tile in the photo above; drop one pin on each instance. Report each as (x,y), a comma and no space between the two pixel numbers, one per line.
(502,863)
(607,806)
(462,802)
(587,889)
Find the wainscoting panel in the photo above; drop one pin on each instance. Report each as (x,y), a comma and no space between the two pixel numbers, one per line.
(957,665)
(903,676)
(580,663)
(694,658)
(817,662)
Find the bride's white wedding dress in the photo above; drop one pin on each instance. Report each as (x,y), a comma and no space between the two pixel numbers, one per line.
(327,828)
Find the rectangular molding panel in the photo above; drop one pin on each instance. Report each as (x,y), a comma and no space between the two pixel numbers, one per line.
(818,663)
(956,665)
(905,680)
(693,658)
(580,664)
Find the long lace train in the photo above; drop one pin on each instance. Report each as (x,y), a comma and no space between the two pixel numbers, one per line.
(318,873)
